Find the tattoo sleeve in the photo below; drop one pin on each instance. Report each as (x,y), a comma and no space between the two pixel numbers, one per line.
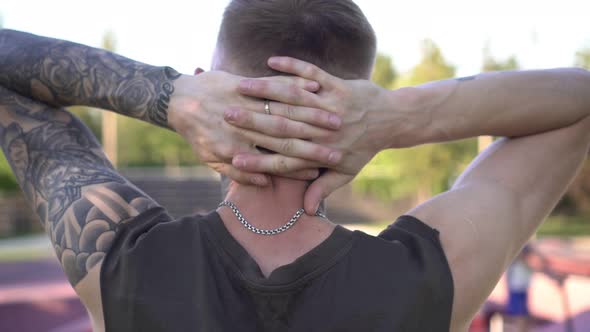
(80,199)
(61,73)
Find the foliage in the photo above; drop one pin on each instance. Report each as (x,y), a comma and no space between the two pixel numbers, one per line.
(90,117)
(144,145)
(431,67)
(7,180)
(492,64)
(421,171)
(424,170)
(583,58)
(577,197)
(384,73)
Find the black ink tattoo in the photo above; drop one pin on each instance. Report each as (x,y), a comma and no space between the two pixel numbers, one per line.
(468,78)
(62,73)
(77,194)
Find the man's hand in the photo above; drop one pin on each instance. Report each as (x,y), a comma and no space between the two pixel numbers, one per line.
(369,124)
(200,104)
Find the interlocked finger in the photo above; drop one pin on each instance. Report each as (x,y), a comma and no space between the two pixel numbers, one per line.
(294,147)
(302,69)
(279,91)
(303,83)
(306,174)
(275,126)
(271,163)
(240,176)
(312,116)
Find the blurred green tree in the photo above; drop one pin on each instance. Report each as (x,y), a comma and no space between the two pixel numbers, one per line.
(145,145)
(583,58)
(384,73)
(433,66)
(422,171)
(138,144)
(8,182)
(577,198)
(492,64)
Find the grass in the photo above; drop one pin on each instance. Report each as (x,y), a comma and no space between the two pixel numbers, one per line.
(22,255)
(24,248)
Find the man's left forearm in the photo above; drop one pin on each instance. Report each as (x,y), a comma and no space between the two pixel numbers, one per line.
(63,73)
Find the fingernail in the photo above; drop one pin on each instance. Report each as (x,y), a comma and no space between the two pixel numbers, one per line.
(245,84)
(314,86)
(314,174)
(335,121)
(273,61)
(230,115)
(317,207)
(239,162)
(334,157)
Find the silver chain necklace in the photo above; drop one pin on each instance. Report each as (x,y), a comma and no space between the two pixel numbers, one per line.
(259,231)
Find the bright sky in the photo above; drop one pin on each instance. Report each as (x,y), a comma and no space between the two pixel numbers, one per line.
(182,33)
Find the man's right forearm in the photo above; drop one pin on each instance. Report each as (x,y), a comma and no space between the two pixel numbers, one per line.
(62,73)
(511,104)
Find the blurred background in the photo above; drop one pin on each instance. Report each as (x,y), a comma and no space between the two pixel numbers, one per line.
(419,41)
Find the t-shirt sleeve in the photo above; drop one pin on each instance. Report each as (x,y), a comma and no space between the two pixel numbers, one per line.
(423,244)
(130,233)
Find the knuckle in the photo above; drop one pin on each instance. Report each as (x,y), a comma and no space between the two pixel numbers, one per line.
(282,125)
(226,151)
(258,85)
(311,71)
(301,82)
(246,118)
(318,116)
(241,133)
(328,137)
(280,166)
(289,112)
(287,146)
(320,153)
(219,168)
(300,130)
(296,94)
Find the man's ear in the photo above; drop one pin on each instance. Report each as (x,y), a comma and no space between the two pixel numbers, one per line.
(199,70)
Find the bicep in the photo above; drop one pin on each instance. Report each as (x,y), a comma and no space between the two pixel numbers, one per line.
(77,194)
(497,204)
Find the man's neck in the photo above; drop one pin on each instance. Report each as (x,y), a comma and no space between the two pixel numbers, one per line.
(269,208)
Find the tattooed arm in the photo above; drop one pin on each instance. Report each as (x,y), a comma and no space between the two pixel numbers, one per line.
(62,73)
(78,196)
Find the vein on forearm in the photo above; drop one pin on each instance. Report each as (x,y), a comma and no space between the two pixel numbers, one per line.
(62,73)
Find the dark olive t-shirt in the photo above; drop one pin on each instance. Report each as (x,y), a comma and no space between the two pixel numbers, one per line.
(192,275)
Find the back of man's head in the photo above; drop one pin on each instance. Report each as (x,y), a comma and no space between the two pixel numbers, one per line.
(332,34)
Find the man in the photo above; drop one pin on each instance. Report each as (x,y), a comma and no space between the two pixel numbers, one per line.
(129,261)
(84,204)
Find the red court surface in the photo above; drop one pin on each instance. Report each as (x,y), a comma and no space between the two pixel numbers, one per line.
(36,297)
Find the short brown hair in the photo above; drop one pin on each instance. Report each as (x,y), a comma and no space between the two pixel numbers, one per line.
(332,34)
